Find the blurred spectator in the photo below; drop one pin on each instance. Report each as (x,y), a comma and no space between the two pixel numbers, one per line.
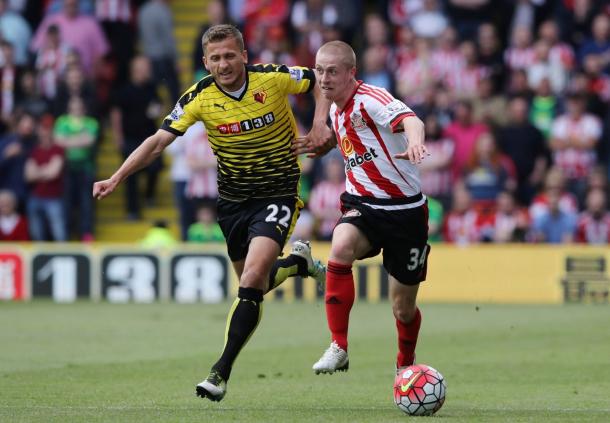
(429,21)
(44,171)
(376,32)
(574,19)
(545,67)
(133,118)
(10,76)
(158,236)
(574,137)
(115,17)
(75,84)
(435,171)
(76,133)
(555,225)
(446,56)
(416,77)
(561,52)
(509,223)
(543,108)
(597,85)
(488,172)
(31,101)
(525,145)
(324,201)
(518,85)
(488,106)
(216,14)
(258,15)
(15,147)
(15,30)
(594,223)
(275,48)
(435,220)
(13,226)
(80,32)
(375,70)
(156,29)
(464,81)
(205,228)
(349,21)
(202,183)
(464,131)
(51,61)
(461,225)
(599,43)
(598,179)
(179,174)
(308,17)
(520,54)
(404,49)
(443,106)
(490,53)
(554,182)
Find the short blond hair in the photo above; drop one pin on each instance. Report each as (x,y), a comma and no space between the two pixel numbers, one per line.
(221,32)
(344,50)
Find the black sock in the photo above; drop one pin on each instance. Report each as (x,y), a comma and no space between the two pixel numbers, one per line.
(292,265)
(243,319)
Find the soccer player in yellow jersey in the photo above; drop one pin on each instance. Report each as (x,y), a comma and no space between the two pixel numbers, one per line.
(251,128)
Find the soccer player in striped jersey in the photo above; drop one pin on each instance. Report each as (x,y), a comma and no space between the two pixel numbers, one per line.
(381,141)
(250,127)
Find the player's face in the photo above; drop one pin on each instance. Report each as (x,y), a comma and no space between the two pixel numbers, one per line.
(225,61)
(334,76)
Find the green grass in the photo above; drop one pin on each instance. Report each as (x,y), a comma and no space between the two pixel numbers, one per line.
(90,362)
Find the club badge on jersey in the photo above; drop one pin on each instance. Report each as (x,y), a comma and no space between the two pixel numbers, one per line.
(357,121)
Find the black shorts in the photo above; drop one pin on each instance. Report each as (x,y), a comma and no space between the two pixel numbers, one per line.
(401,234)
(270,217)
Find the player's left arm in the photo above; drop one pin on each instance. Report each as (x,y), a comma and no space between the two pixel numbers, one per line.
(414,130)
(320,139)
(299,80)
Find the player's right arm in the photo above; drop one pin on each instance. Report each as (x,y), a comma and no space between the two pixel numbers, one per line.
(141,157)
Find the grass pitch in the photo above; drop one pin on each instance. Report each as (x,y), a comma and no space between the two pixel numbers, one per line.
(90,362)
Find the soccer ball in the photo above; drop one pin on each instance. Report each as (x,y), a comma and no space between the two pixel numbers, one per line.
(419,390)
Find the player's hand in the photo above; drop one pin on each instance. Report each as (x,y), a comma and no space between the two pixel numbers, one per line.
(302,145)
(414,153)
(102,189)
(319,141)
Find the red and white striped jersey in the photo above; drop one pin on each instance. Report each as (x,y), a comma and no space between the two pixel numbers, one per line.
(202,182)
(576,162)
(368,136)
(519,58)
(593,230)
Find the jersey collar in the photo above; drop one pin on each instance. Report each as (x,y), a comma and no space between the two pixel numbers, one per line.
(350,99)
(242,94)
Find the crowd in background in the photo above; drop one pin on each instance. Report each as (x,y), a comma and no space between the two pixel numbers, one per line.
(514,95)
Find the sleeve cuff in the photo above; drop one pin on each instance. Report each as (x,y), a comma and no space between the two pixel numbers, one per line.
(166,126)
(398,119)
(311,76)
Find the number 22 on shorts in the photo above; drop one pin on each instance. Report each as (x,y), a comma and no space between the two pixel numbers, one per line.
(285,213)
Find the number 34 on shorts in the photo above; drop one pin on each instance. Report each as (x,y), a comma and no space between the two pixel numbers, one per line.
(417,257)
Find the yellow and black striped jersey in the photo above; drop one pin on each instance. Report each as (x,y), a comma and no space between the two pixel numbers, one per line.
(250,135)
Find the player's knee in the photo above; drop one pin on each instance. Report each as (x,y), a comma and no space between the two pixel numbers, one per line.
(254,278)
(343,251)
(403,311)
